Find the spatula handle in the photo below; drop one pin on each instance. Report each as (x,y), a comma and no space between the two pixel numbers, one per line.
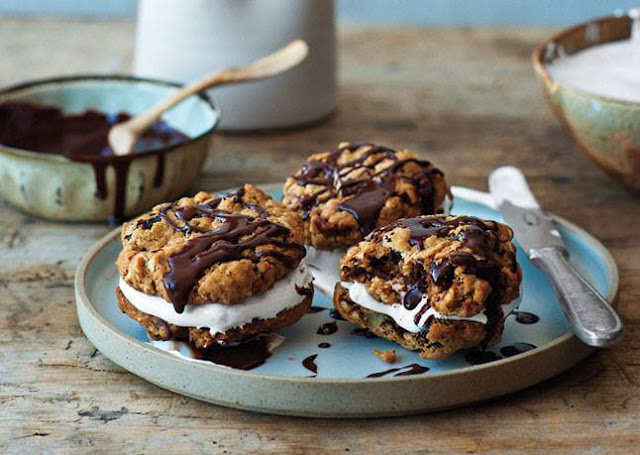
(594,321)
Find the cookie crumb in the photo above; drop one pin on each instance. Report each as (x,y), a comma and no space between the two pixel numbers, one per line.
(387,356)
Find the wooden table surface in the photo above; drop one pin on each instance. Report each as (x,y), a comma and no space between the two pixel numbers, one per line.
(467,99)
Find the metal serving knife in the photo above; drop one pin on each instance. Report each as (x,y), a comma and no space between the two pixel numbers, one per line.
(594,321)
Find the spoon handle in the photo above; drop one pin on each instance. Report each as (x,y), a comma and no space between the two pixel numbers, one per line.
(266,67)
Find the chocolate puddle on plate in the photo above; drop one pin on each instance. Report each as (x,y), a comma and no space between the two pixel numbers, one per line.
(327,328)
(410,370)
(335,315)
(478,356)
(241,356)
(310,364)
(524,317)
(315,309)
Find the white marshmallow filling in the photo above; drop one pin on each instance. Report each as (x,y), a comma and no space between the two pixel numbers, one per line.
(407,318)
(219,317)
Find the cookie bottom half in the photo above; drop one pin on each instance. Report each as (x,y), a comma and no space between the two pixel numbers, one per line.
(440,339)
(201,337)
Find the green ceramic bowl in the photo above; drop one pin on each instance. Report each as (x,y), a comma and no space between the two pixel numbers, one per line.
(607,130)
(55,187)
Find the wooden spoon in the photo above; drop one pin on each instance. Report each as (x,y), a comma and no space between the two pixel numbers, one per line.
(123,136)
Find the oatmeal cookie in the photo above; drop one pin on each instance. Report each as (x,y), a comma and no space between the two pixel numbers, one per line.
(214,268)
(344,194)
(435,284)
(257,242)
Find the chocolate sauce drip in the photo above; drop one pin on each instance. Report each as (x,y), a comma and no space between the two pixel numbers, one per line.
(365,188)
(328,328)
(99,173)
(83,137)
(242,356)
(324,345)
(479,236)
(305,291)
(524,317)
(310,364)
(384,373)
(516,348)
(413,369)
(159,175)
(335,314)
(315,309)
(223,243)
(122,175)
(478,357)
(412,298)
(418,316)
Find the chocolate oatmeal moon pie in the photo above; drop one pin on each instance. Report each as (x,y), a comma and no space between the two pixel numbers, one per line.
(344,194)
(434,284)
(214,269)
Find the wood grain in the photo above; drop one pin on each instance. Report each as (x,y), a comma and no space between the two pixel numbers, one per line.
(467,99)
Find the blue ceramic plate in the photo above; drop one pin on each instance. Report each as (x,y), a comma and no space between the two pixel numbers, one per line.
(283,384)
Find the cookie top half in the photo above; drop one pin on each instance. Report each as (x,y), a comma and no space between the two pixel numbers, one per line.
(464,265)
(211,248)
(344,194)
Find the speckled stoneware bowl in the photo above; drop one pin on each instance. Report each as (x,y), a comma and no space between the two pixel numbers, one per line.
(607,130)
(55,187)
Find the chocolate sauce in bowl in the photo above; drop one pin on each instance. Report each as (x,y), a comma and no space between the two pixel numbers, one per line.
(82,137)
(227,242)
(324,345)
(365,188)
(47,129)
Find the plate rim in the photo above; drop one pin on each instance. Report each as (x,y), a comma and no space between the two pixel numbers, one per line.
(82,298)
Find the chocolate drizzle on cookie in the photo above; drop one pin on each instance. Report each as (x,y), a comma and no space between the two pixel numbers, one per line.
(365,186)
(479,238)
(238,237)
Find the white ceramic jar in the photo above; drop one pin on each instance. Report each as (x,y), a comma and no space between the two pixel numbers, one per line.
(182,40)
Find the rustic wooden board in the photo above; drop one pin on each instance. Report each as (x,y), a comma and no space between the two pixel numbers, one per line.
(467,99)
